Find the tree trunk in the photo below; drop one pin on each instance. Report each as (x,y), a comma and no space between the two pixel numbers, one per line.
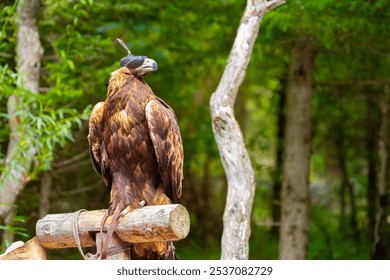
(295,189)
(381,231)
(229,138)
(44,198)
(277,176)
(346,185)
(371,187)
(352,203)
(29,52)
(343,208)
(372,150)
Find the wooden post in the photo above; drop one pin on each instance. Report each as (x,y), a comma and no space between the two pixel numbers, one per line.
(31,250)
(115,240)
(147,224)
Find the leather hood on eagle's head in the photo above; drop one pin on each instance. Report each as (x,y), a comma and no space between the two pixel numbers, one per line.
(134,61)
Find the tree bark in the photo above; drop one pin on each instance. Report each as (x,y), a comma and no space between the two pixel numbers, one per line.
(29,52)
(343,207)
(295,189)
(381,231)
(345,184)
(45,190)
(229,138)
(278,173)
(372,158)
(352,203)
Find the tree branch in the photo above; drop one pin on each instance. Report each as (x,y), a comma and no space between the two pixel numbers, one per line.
(271,5)
(71,160)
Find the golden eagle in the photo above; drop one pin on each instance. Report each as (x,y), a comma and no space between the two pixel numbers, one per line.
(136,147)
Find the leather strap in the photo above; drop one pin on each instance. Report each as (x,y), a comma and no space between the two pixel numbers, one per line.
(75,230)
(118,248)
(110,251)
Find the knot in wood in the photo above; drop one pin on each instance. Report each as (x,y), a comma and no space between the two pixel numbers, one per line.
(161,212)
(148,232)
(160,230)
(47,229)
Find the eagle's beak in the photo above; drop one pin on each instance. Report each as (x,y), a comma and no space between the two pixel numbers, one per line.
(149,65)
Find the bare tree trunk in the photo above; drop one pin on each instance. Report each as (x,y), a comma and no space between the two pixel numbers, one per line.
(229,138)
(346,185)
(371,187)
(295,189)
(278,173)
(372,158)
(381,231)
(352,203)
(29,52)
(343,208)
(46,185)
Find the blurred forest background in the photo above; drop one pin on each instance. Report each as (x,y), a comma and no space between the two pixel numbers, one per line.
(190,40)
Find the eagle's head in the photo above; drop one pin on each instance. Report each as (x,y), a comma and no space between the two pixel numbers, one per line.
(137,64)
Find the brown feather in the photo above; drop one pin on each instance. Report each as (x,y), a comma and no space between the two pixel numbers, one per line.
(136,147)
(167,142)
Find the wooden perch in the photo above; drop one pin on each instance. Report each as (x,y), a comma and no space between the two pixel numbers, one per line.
(147,224)
(31,250)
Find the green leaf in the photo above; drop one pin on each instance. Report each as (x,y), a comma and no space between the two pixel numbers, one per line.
(71,64)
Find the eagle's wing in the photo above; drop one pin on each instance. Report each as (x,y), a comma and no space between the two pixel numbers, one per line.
(96,149)
(165,134)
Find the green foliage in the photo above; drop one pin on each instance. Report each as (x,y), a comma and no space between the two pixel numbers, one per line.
(7,17)
(14,229)
(191,42)
(327,242)
(45,125)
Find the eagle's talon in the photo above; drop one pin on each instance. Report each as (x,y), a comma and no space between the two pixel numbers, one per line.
(110,210)
(124,212)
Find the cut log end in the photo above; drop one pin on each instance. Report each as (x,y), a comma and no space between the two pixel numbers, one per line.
(180,221)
